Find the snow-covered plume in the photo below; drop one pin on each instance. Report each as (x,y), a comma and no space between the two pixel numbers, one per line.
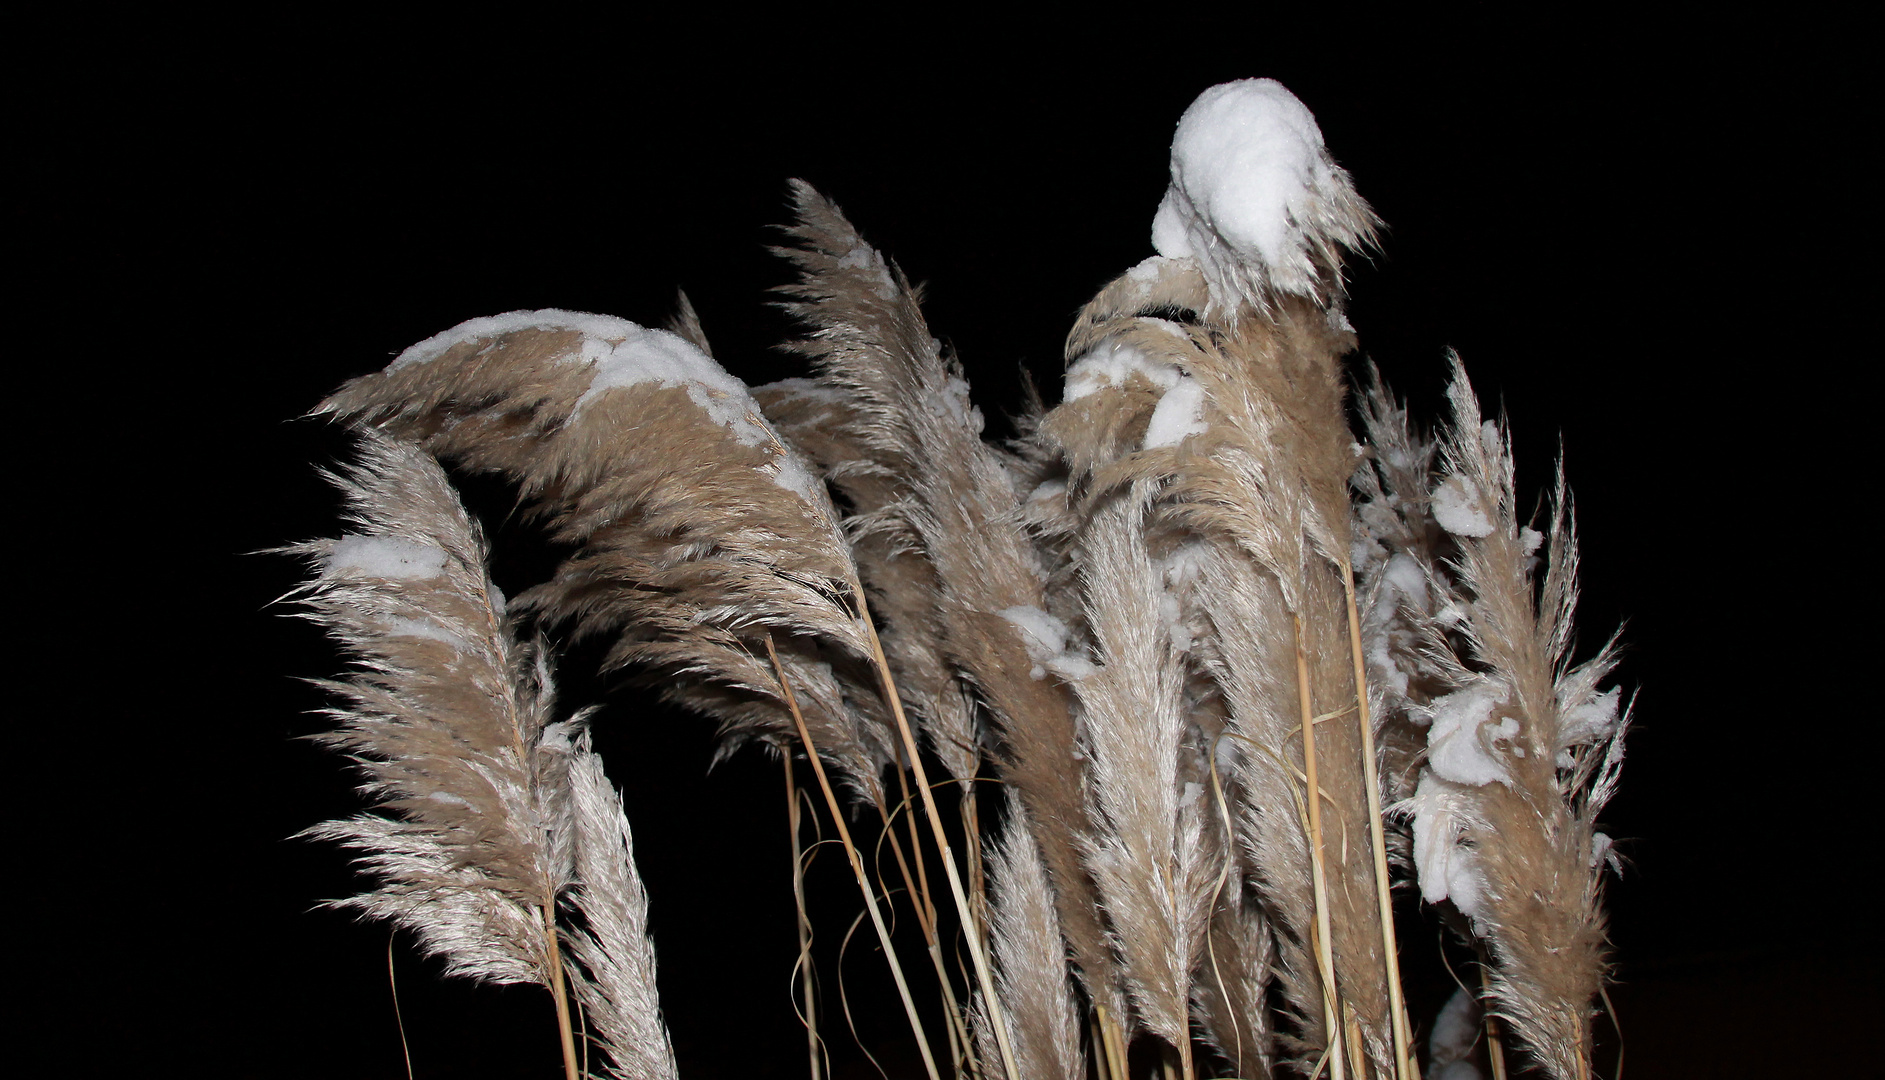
(449,717)
(1521,747)
(1224,411)
(619,354)
(697,531)
(491,815)
(1256,200)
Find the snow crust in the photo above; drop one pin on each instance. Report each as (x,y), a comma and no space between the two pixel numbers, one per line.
(1112,364)
(1404,585)
(1591,719)
(492,326)
(953,403)
(1179,414)
(384,557)
(1253,193)
(1602,849)
(1178,573)
(869,260)
(1407,578)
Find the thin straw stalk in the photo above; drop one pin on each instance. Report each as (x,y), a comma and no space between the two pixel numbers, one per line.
(1397,1006)
(857,862)
(969,932)
(810,1012)
(1324,946)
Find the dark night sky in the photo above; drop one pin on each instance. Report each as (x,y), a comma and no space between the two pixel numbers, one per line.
(1640,238)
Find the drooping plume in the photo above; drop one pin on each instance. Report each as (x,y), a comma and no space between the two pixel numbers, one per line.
(498,814)
(450,719)
(697,531)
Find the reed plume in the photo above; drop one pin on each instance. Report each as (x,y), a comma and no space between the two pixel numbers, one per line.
(1198,632)
(1210,376)
(898,436)
(1402,577)
(485,810)
(1523,749)
(1154,853)
(696,530)
(1030,961)
(942,540)
(1229,1001)
(611,943)
(450,720)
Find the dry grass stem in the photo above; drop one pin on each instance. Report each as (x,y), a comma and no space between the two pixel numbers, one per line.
(808,1012)
(857,863)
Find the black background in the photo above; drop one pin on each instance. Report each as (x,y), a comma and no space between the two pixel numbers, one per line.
(1645,238)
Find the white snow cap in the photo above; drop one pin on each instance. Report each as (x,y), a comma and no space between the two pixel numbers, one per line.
(1255,198)
(624,354)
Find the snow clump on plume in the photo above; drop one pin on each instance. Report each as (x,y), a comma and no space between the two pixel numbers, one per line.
(1255,199)
(383,557)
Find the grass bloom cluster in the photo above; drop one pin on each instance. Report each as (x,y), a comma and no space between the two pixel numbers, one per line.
(1179,685)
